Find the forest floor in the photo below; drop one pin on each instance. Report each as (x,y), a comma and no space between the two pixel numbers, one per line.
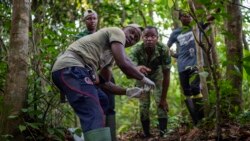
(229,131)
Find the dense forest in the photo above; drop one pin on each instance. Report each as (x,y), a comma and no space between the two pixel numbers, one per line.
(34,32)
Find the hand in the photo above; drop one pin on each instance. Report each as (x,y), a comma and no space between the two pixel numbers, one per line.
(134,92)
(143,69)
(148,84)
(163,105)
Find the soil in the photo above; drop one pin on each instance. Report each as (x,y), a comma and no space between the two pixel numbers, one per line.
(229,132)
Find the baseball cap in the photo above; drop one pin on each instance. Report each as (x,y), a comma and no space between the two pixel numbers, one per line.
(88,12)
(135,26)
(138,27)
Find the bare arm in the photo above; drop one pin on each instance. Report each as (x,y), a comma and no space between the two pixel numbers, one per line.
(106,73)
(165,84)
(123,62)
(111,87)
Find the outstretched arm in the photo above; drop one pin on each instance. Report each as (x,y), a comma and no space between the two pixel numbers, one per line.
(123,62)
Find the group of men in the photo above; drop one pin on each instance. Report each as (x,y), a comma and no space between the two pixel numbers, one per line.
(84,74)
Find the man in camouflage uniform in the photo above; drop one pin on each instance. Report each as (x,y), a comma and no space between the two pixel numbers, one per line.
(154,55)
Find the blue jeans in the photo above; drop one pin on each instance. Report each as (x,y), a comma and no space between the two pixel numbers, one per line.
(88,102)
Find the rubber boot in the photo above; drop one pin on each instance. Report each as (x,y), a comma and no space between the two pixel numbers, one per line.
(162,125)
(199,108)
(100,134)
(146,127)
(191,109)
(110,122)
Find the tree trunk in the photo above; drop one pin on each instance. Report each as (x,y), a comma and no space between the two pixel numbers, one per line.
(200,57)
(234,55)
(16,83)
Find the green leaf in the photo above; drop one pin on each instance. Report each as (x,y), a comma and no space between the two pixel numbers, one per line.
(51,131)
(12,116)
(204,74)
(247,58)
(78,132)
(33,125)
(22,128)
(24,110)
(247,69)
(170,3)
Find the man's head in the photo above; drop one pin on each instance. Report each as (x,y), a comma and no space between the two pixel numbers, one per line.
(150,37)
(133,34)
(90,19)
(185,18)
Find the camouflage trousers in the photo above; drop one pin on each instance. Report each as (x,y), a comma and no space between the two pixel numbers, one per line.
(145,103)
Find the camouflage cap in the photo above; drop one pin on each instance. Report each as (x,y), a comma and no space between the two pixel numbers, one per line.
(88,12)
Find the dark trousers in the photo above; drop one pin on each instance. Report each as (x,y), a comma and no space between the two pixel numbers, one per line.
(190,82)
(111,98)
(89,102)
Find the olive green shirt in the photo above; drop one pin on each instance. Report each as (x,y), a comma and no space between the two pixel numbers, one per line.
(94,50)
(160,59)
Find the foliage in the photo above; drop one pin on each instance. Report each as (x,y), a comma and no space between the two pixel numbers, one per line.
(46,118)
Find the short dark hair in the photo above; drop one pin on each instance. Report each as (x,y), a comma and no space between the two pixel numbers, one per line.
(182,13)
(152,27)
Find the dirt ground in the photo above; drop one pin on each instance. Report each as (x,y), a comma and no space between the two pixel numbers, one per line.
(229,132)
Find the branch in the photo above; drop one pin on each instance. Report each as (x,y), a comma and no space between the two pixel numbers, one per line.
(143,17)
(239,5)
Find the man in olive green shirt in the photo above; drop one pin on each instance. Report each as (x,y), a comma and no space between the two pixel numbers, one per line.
(74,74)
(154,55)
(90,18)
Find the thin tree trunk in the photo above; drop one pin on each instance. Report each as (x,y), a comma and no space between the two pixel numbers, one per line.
(234,55)
(212,69)
(16,82)
(200,59)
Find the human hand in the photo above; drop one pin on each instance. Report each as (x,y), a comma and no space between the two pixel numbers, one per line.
(148,84)
(143,69)
(163,105)
(134,92)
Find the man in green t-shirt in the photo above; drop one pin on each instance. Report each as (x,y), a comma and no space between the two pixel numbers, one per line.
(154,55)
(74,73)
(90,18)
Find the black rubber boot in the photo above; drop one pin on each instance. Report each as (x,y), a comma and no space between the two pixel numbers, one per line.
(191,109)
(146,127)
(199,108)
(110,122)
(163,125)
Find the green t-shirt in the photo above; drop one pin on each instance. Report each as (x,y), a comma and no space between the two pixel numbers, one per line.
(159,60)
(94,49)
(82,34)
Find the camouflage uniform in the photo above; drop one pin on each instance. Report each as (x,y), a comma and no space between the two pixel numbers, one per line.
(159,61)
